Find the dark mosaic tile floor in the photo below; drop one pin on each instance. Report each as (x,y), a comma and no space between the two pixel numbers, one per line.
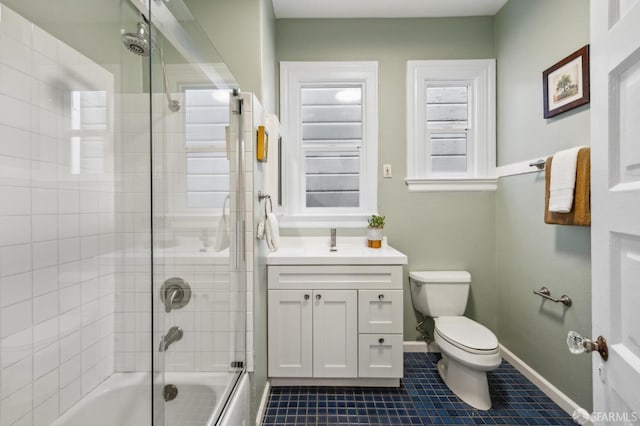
(422,399)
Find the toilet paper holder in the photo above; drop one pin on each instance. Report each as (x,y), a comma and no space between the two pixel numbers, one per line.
(546,293)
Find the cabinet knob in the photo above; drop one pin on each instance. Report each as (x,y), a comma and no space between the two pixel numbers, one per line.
(306,297)
(380,296)
(318,296)
(381,340)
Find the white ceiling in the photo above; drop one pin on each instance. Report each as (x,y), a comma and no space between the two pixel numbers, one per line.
(384,8)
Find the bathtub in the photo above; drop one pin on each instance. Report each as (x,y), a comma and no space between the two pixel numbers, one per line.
(124,399)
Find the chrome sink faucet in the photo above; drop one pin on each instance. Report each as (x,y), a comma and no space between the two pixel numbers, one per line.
(333,240)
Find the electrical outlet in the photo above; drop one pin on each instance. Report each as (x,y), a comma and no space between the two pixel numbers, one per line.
(386,170)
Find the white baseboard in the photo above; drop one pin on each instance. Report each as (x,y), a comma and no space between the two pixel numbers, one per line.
(556,395)
(409,346)
(263,403)
(416,346)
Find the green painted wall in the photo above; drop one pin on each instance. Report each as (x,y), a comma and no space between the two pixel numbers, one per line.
(435,230)
(530,36)
(234,28)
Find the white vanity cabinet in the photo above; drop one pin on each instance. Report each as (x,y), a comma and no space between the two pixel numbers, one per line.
(335,324)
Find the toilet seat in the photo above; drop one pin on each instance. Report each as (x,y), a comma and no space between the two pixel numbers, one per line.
(467,335)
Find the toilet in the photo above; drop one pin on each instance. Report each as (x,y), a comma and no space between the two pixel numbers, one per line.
(468,348)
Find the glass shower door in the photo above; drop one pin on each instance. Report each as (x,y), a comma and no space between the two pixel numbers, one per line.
(198,278)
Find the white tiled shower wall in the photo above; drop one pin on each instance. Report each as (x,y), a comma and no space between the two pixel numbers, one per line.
(56,224)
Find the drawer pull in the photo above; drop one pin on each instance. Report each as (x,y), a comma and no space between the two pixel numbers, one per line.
(306,297)
(318,296)
(381,340)
(381,297)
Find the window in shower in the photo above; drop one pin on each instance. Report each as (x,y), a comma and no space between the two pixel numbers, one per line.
(207,166)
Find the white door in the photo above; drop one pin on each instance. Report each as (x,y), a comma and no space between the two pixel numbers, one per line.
(335,333)
(615,177)
(290,326)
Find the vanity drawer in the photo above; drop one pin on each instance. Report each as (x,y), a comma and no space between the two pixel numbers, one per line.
(334,277)
(380,355)
(380,311)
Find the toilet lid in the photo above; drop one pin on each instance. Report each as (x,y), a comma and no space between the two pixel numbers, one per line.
(466,333)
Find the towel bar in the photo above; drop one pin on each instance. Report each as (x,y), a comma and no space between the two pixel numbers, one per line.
(545,293)
(538,163)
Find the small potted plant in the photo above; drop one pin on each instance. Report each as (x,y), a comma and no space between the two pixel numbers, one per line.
(374,233)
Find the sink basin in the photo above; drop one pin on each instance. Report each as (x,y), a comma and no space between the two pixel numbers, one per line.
(351,251)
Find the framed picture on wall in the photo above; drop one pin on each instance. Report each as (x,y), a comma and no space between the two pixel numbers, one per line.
(565,85)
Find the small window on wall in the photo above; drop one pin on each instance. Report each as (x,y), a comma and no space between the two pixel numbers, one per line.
(451,125)
(207,167)
(329,114)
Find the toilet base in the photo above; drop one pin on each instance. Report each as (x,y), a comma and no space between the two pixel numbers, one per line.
(470,385)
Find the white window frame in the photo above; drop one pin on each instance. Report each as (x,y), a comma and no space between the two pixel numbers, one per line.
(480,76)
(293,75)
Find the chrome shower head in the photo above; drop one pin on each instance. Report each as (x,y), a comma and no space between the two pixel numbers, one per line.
(139,42)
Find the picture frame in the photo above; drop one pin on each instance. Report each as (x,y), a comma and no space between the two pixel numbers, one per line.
(565,85)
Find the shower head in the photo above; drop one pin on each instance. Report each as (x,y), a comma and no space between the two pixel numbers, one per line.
(139,42)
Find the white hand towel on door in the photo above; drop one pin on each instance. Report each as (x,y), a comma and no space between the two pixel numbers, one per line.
(563,180)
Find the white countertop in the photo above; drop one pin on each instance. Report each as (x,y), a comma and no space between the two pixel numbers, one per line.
(351,251)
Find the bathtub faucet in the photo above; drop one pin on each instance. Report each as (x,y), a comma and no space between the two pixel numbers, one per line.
(174,334)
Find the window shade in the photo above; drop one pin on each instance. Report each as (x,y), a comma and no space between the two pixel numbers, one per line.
(332,131)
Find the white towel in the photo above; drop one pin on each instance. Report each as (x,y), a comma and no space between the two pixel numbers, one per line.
(563,180)
(272,232)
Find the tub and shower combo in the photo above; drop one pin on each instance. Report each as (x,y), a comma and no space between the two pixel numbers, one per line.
(122,263)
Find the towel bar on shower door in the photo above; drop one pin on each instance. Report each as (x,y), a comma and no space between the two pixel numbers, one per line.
(545,293)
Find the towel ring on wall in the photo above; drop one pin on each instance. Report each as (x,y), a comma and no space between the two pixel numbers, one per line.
(262,196)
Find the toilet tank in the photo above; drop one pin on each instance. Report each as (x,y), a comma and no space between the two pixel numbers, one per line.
(440,293)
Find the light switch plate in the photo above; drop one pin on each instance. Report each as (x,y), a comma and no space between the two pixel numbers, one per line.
(386,170)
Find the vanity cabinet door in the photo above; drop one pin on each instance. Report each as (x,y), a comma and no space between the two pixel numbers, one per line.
(290,333)
(335,333)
